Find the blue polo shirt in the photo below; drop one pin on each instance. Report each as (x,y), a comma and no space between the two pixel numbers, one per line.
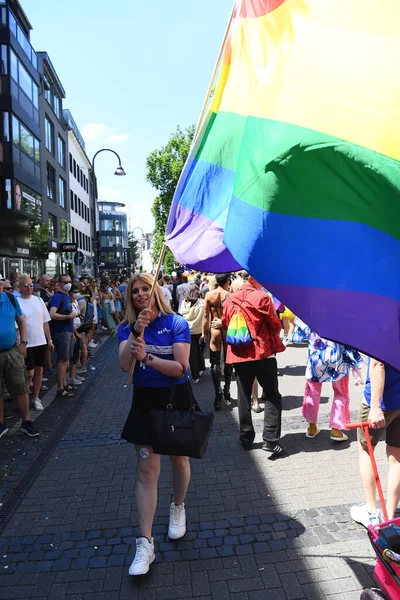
(8,314)
(391,391)
(159,336)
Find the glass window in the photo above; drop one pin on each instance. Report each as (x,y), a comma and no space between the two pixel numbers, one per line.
(61,152)
(71,199)
(57,106)
(74,167)
(51,182)
(35,95)
(4,61)
(25,81)
(15,130)
(37,150)
(6,127)
(27,141)
(31,201)
(3,16)
(14,65)
(62,191)
(34,59)
(52,225)
(70,162)
(8,193)
(49,134)
(12,23)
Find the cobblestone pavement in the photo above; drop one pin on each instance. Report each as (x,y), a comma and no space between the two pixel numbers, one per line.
(257,528)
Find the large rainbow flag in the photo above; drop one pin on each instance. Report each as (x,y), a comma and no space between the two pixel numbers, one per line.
(295,173)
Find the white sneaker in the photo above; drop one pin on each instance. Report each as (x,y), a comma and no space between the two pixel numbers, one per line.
(74,381)
(92,345)
(177,522)
(79,378)
(44,379)
(143,558)
(37,405)
(360,514)
(81,370)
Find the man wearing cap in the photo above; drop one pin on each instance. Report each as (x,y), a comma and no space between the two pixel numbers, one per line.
(13,374)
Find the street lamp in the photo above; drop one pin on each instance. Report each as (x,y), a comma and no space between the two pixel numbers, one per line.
(119,172)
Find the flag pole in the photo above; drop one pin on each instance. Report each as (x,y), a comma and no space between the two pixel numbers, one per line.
(153,287)
(210,87)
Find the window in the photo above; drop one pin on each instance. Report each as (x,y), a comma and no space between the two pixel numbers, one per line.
(8,193)
(6,127)
(76,203)
(79,207)
(25,140)
(61,152)
(52,225)
(23,79)
(80,240)
(65,231)
(4,61)
(62,191)
(70,162)
(49,135)
(57,105)
(51,182)
(74,161)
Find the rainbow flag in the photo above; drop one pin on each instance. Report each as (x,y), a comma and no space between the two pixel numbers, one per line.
(295,173)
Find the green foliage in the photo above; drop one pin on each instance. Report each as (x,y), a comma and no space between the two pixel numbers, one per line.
(164,167)
(38,240)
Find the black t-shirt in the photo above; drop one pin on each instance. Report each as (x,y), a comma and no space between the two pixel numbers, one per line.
(45,296)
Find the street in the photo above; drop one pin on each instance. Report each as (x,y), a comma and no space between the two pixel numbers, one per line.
(257,528)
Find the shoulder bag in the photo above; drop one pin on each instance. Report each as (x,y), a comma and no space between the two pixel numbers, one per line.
(181,432)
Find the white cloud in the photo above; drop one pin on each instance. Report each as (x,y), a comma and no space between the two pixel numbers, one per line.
(93,131)
(118,137)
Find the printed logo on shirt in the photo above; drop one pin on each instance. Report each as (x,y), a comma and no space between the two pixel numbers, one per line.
(158,349)
(165,330)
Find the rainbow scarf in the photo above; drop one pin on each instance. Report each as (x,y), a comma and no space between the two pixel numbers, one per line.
(295,173)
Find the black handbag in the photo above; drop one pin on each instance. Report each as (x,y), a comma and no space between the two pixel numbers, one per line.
(181,432)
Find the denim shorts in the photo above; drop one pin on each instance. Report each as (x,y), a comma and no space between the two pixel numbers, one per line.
(64,345)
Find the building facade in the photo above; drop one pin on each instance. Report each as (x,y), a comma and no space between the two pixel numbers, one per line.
(20,135)
(112,238)
(80,197)
(54,166)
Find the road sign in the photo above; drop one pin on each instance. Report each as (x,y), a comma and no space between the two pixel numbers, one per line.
(79,258)
(71,247)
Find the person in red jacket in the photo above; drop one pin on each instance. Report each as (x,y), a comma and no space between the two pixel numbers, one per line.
(257,360)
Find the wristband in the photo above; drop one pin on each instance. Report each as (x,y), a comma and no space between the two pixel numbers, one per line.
(133,330)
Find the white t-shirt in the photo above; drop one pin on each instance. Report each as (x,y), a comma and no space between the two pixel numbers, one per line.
(35,313)
(181,291)
(167,293)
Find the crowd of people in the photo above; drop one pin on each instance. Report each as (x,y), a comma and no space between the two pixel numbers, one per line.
(51,319)
(242,326)
(245,328)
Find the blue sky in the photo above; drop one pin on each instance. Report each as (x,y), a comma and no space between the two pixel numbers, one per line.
(132,72)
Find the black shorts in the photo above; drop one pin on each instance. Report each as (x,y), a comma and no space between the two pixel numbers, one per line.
(138,427)
(36,357)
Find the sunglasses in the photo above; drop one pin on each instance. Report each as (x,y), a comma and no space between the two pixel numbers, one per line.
(135,291)
(6,288)
(26,285)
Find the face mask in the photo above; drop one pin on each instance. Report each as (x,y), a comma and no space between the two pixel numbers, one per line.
(67,286)
(75,295)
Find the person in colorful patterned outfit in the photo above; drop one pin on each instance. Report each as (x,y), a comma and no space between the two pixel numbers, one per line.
(327,362)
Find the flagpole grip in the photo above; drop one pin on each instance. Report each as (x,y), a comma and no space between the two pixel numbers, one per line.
(153,287)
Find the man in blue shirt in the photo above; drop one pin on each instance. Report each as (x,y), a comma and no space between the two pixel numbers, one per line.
(381,407)
(13,374)
(63,317)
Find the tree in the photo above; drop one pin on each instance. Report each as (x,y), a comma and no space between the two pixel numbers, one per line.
(134,251)
(39,243)
(164,167)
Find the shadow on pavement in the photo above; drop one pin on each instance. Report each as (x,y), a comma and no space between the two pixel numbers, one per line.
(292,370)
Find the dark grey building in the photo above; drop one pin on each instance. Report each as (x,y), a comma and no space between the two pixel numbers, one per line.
(54,163)
(113,238)
(20,153)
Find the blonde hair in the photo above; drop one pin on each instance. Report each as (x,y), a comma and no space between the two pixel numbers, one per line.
(161,303)
(22,278)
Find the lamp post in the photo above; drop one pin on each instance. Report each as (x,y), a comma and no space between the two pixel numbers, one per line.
(119,172)
(141,243)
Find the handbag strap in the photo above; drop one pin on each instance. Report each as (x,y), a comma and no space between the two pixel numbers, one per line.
(193,406)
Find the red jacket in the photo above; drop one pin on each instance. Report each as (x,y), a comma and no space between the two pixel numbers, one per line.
(263,323)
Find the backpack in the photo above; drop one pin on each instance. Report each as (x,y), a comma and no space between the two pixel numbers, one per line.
(87,320)
(238,333)
(11,297)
